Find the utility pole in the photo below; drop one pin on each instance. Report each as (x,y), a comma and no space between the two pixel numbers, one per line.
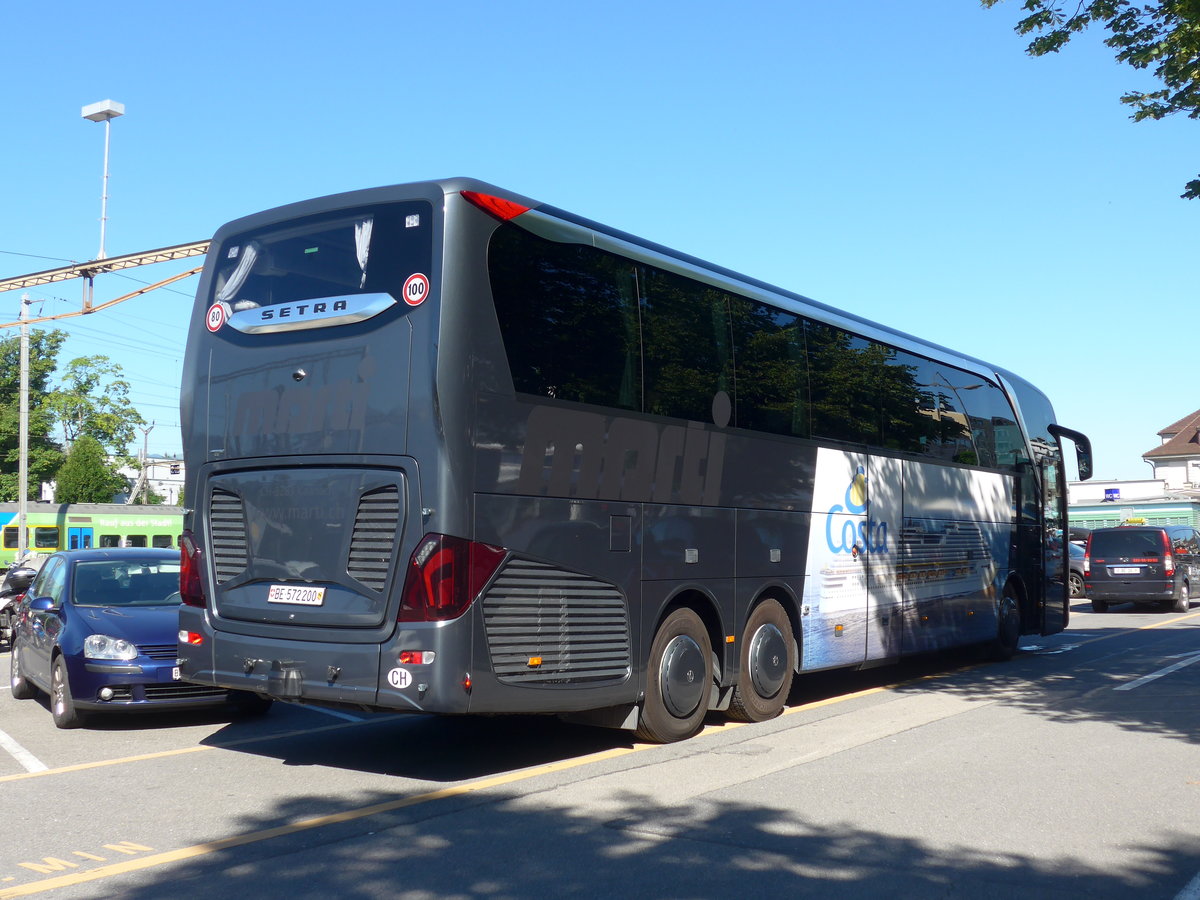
(23,436)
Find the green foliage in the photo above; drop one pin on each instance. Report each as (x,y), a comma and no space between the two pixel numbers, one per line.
(93,400)
(1164,36)
(86,477)
(44,454)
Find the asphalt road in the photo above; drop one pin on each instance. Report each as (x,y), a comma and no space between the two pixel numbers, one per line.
(1071,771)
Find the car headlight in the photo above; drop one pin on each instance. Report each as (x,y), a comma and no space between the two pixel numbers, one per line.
(101,646)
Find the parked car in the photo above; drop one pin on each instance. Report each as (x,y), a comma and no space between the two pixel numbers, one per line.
(98,629)
(1142,564)
(1075,575)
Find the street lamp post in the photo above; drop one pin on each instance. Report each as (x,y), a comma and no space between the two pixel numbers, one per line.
(104,111)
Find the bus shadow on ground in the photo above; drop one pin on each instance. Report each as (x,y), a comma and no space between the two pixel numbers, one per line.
(506,845)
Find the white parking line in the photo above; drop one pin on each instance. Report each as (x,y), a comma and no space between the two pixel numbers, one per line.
(1187,661)
(21,755)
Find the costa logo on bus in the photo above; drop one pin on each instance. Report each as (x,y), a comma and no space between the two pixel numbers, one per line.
(217,315)
(416,289)
(856,536)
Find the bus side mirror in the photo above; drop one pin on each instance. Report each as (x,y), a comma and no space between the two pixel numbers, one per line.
(1083,449)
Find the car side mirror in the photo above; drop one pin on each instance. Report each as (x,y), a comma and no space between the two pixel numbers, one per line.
(41,604)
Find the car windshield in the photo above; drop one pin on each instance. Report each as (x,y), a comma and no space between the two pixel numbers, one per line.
(126,582)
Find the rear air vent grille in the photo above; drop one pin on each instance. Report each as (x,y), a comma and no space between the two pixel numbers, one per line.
(374,536)
(227,526)
(548,626)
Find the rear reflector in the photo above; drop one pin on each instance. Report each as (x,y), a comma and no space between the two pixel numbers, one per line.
(497,206)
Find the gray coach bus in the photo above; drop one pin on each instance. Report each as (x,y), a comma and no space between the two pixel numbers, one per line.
(450,450)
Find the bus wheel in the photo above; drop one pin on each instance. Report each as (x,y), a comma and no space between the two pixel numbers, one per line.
(767,663)
(679,678)
(1008,626)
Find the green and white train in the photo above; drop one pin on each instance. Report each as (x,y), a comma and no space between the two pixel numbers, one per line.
(76,526)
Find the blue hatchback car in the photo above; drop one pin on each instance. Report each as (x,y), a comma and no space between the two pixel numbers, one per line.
(97,630)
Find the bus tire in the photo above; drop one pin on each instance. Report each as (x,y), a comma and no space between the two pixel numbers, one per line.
(767,663)
(1008,626)
(679,678)
(17,682)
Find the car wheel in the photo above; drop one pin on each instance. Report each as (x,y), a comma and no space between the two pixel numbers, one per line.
(1076,585)
(62,704)
(1183,601)
(1099,606)
(678,680)
(17,682)
(767,663)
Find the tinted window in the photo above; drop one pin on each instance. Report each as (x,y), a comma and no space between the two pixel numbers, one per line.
(687,346)
(844,385)
(45,538)
(772,371)
(327,255)
(1127,542)
(10,537)
(569,318)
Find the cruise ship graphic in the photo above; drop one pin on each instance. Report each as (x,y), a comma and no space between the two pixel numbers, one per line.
(932,559)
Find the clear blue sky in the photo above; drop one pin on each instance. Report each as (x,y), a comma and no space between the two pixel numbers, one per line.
(904,161)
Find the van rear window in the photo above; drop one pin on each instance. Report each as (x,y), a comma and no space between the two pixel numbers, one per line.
(1131,543)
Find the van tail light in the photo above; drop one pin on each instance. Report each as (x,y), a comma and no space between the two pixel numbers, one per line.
(191,559)
(1087,557)
(445,575)
(1168,558)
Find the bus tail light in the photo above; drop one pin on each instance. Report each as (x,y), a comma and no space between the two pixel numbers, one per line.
(1168,558)
(445,575)
(497,206)
(191,558)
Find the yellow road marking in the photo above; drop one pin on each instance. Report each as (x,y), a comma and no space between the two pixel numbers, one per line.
(198,850)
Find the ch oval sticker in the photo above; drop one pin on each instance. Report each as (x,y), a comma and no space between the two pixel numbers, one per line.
(416,289)
(399,678)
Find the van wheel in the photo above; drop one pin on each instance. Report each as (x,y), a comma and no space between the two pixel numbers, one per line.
(18,683)
(1099,606)
(678,680)
(767,664)
(1183,601)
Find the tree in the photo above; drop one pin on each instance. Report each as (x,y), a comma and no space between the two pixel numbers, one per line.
(93,399)
(85,476)
(1163,35)
(44,454)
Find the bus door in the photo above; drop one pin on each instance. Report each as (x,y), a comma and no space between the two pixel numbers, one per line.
(79,538)
(886,613)
(1057,605)
(835,582)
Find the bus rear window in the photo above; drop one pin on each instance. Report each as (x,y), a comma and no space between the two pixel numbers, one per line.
(325,256)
